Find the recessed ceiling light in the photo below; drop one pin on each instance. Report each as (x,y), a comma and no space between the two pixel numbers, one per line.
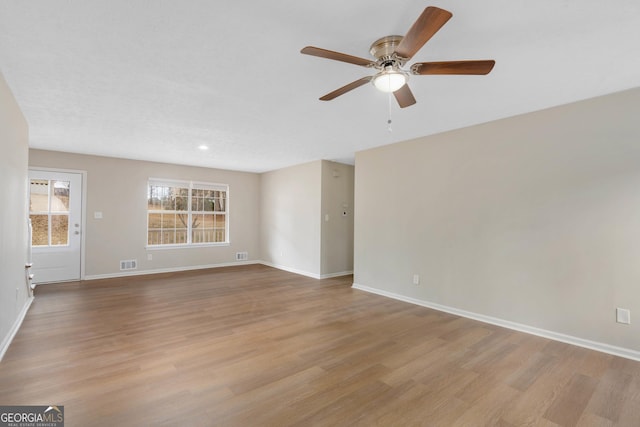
(203,147)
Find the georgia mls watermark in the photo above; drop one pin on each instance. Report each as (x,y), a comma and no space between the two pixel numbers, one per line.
(32,416)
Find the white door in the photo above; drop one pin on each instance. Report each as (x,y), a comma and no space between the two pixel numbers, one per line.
(55,209)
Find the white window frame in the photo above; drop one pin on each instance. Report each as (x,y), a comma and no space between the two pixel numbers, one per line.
(190,185)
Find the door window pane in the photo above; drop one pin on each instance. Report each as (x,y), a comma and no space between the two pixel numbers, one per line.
(39,230)
(39,195)
(59,230)
(59,196)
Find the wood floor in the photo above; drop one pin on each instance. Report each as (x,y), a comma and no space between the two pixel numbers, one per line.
(255,346)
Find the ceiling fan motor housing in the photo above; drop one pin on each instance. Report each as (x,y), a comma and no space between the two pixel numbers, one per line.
(383,50)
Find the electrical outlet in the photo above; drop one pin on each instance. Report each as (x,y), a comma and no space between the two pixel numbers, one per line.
(149,257)
(623,315)
(416,279)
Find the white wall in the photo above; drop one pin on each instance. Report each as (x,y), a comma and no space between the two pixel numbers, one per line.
(533,219)
(290,215)
(337,231)
(14,139)
(117,188)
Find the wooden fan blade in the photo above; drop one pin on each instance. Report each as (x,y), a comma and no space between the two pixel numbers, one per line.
(429,22)
(453,67)
(336,56)
(344,89)
(404,96)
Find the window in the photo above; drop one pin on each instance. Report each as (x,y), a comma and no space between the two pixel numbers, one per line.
(49,212)
(187,213)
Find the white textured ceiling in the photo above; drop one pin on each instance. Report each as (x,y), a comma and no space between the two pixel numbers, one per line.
(153,80)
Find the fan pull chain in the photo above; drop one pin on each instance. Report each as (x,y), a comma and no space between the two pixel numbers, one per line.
(389,128)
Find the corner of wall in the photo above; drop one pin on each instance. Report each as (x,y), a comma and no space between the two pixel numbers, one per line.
(14,141)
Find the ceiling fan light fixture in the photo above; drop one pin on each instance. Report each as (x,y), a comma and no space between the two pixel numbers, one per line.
(390,80)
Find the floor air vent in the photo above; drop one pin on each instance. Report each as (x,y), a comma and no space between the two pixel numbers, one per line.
(128,264)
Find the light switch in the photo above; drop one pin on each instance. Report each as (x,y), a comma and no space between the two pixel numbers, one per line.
(97,215)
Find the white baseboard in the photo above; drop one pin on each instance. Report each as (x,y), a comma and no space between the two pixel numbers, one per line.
(202,267)
(166,270)
(556,336)
(306,273)
(291,270)
(6,342)
(340,274)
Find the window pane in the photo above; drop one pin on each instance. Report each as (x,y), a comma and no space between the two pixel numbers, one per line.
(168,199)
(220,221)
(181,236)
(220,201)
(168,221)
(208,221)
(59,230)
(154,237)
(154,234)
(153,198)
(182,203)
(209,203)
(39,195)
(40,230)
(196,221)
(168,237)
(196,203)
(182,221)
(60,196)
(155,220)
(202,228)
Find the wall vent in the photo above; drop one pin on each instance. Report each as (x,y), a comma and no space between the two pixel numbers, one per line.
(128,264)
(242,256)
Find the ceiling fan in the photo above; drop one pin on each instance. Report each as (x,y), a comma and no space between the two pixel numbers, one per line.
(393,52)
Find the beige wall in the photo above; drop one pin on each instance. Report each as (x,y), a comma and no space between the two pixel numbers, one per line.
(14,138)
(290,206)
(533,219)
(294,232)
(337,231)
(117,188)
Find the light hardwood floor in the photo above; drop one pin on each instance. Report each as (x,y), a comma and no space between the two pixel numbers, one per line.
(255,346)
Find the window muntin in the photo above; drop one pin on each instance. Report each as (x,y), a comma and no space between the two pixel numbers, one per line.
(186,213)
